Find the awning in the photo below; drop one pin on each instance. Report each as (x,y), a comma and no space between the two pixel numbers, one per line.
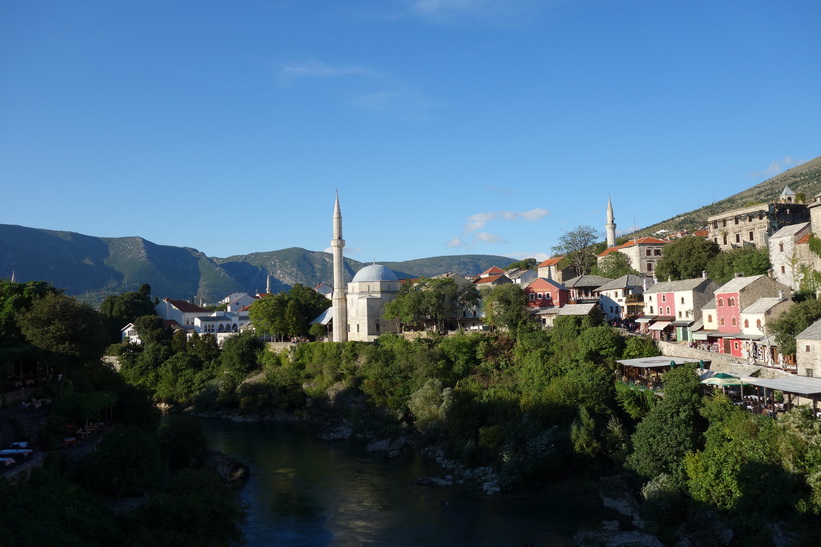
(660,325)
(645,319)
(682,323)
(699,336)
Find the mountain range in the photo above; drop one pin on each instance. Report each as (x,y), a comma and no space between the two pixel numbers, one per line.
(92,268)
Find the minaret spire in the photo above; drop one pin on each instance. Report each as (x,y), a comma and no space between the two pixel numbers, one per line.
(610,226)
(268,284)
(340,301)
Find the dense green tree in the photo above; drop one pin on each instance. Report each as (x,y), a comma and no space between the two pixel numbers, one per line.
(790,323)
(14,298)
(614,265)
(577,248)
(671,429)
(240,354)
(640,346)
(506,306)
(70,332)
(195,508)
(288,314)
(745,260)
(525,264)
(122,309)
(601,345)
(686,258)
(434,300)
(182,442)
(152,330)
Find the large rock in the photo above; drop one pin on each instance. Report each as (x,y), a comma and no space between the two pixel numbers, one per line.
(386,445)
(230,468)
(616,494)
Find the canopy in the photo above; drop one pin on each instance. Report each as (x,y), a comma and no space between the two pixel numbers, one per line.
(659,325)
(721,379)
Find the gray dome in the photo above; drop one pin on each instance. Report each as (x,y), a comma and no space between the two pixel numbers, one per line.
(374,272)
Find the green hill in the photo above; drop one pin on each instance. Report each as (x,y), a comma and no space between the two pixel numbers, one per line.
(92,268)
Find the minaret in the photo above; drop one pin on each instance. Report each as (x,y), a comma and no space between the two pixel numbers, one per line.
(268,284)
(610,227)
(340,301)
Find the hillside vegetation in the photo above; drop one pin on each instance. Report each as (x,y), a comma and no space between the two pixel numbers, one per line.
(802,179)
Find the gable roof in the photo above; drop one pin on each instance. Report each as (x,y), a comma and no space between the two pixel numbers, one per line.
(737,283)
(185,307)
(577,309)
(550,262)
(490,279)
(790,230)
(813,332)
(762,305)
(680,285)
(586,281)
(493,270)
(625,281)
(542,281)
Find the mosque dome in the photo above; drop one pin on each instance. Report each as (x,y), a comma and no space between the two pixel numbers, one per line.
(374,272)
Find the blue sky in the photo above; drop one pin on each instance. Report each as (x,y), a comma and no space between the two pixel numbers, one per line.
(448,126)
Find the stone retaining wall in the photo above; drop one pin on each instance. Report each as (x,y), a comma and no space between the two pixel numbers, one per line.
(720,362)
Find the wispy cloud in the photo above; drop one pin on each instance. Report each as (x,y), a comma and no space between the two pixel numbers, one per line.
(489,12)
(314,69)
(777,167)
(471,236)
(479,220)
(362,87)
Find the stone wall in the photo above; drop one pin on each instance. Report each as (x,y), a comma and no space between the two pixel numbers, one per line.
(720,362)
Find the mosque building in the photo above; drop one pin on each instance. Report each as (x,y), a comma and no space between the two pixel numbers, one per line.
(358,309)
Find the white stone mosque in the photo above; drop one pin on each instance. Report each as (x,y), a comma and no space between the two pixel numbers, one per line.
(358,309)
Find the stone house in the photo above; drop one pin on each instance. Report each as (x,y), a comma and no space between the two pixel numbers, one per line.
(622,298)
(583,288)
(789,252)
(808,350)
(644,253)
(552,269)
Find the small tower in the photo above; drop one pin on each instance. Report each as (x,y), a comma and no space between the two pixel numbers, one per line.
(787,196)
(610,227)
(340,300)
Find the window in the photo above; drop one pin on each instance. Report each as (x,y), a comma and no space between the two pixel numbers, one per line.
(657,252)
(731,302)
(751,236)
(781,247)
(746,323)
(725,240)
(649,252)
(664,298)
(735,345)
(650,298)
(758,323)
(806,348)
(724,222)
(715,239)
(721,321)
(649,266)
(709,318)
(720,302)
(668,310)
(682,300)
(679,315)
(733,321)
(540,296)
(749,218)
(532,297)
(736,220)
(783,269)
(715,225)
(651,310)
(809,372)
(738,238)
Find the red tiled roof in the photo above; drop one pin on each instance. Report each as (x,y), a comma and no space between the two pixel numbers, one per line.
(493,270)
(185,307)
(488,279)
(634,242)
(701,233)
(550,262)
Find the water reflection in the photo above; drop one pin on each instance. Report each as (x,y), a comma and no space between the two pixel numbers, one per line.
(308,492)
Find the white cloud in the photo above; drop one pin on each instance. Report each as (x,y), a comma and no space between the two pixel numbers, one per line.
(455,243)
(497,13)
(777,167)
(540,257)
(479,220)
(317,69)
(489,238)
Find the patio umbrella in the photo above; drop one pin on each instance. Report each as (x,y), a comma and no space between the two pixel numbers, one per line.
(721,379)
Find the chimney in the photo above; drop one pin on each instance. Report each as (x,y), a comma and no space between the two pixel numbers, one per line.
(738,274)
(781,295)
(704,274)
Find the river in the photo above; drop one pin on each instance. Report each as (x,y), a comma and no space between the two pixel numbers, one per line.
(303,491)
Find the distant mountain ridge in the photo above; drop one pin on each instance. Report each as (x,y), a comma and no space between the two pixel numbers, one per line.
(93,268)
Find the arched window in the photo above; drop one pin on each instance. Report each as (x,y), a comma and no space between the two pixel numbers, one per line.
(721,321)
(668,310)
(731,302)
(682,300)
(733,321)
(746,324)
(720,302)
(651,310)
(709,318)
(758,323)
